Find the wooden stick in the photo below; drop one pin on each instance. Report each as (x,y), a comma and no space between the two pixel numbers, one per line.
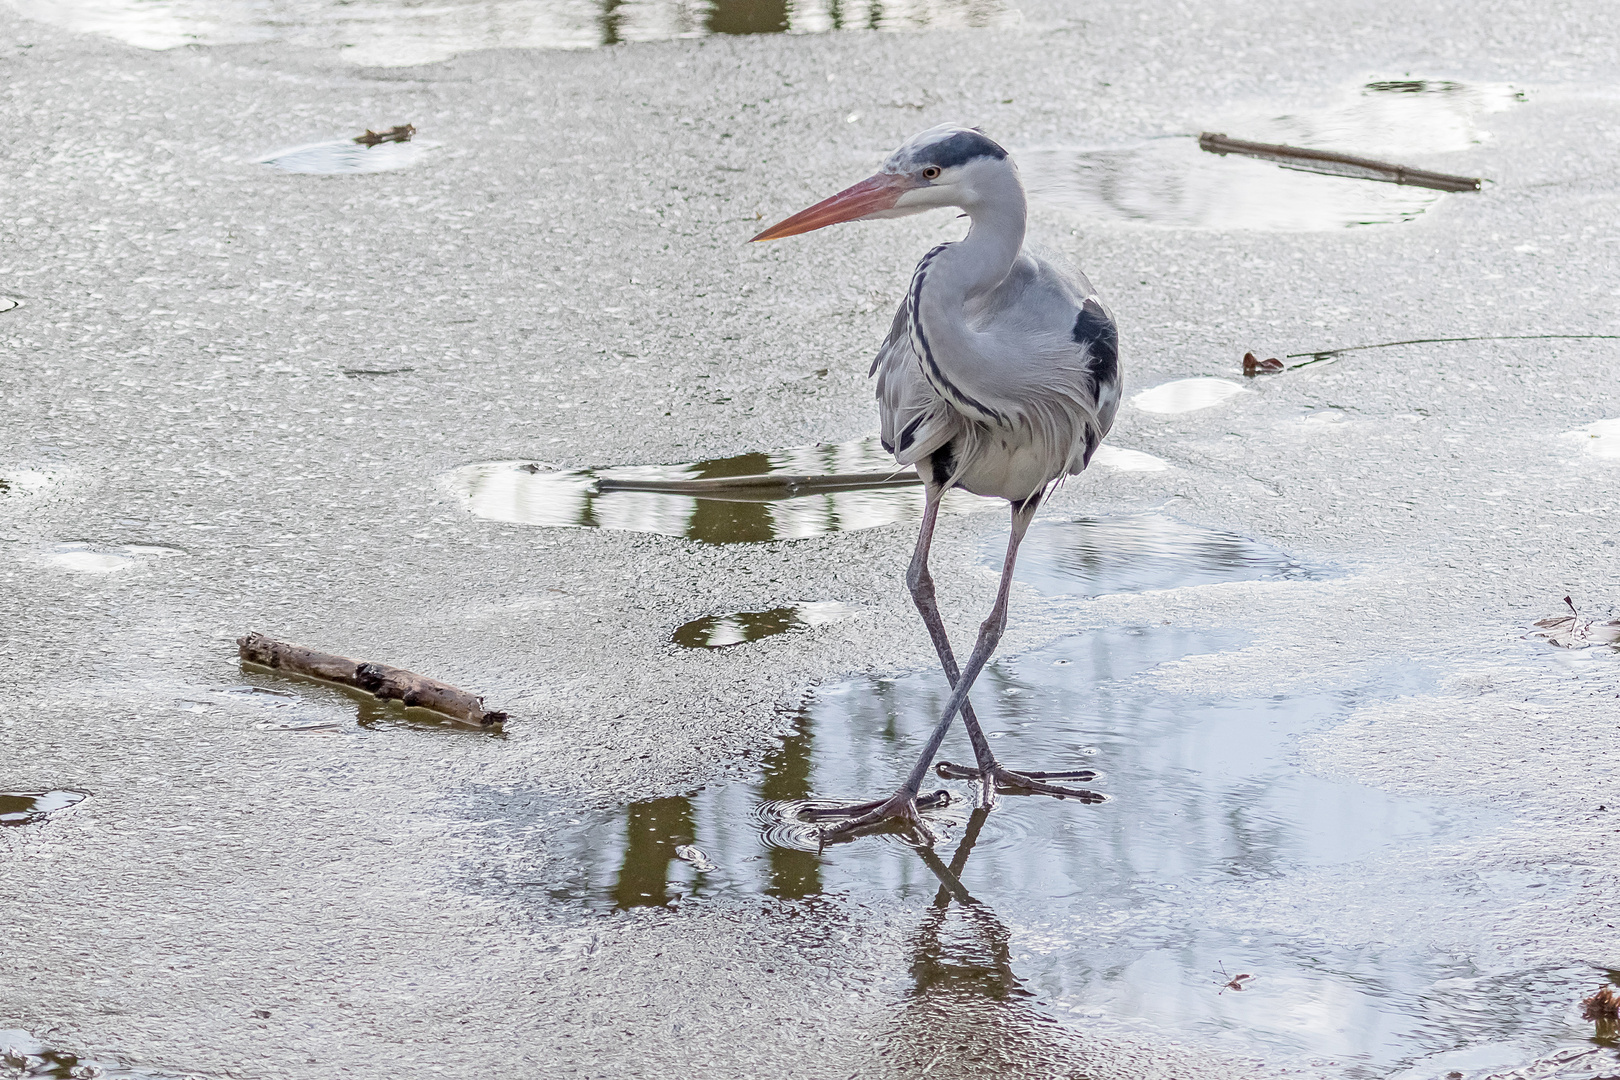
(379,679)
(1368,169)
(764,485)
(402,133)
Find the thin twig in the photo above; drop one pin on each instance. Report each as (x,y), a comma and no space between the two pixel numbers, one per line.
(1348,164)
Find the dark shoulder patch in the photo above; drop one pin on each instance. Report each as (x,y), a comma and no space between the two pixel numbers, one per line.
(907,434)
(1093,327)
(1093,440)
(961,148)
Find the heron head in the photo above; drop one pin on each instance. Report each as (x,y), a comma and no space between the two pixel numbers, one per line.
(943,166)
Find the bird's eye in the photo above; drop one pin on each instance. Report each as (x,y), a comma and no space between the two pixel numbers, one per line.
(931,173)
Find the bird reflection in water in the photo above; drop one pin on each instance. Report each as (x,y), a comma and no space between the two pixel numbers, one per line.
(967,1010)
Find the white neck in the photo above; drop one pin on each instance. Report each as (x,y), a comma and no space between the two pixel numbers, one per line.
(980,261)
(958,359)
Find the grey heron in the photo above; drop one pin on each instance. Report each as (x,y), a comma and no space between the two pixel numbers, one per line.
(1000,375)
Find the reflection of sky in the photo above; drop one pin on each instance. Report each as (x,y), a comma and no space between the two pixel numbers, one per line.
(1112,915)
(391,33)
(507,491)
(1114,912)
(1136,553)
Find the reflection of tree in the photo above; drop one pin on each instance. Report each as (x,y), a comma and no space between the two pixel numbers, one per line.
(794,874)
(611,19)
(748,17)
(724,522)
(653,830)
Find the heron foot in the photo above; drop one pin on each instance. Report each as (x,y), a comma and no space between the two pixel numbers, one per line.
(1026,781)
(900,811)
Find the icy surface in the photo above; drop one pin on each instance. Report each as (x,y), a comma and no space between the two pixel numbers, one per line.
(268,371)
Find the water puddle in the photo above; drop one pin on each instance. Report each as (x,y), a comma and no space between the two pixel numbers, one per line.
(1139,553)
(1170,181)
(1115,918)
(720,631)
(396,33)
(1107,917)
(84,557)
(23,482)
(1601,438)
(23,1057)
(347,156)
(1117,459)
(781,495)
(28,807)
(309,708)
(1186,395)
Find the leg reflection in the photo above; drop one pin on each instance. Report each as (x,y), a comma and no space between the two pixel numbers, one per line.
(967,1013)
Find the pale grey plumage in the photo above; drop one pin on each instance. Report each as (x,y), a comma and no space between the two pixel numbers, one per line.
(999,367)
(1000,375)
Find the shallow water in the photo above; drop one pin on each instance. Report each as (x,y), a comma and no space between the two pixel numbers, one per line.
(1170,181)
(1136,553)
(879,493)
(1601,438)
(85,557)
(347,156)
(1107,916)
(23,1057)
(1103,914)
(734,628)
(270,701)
(393,33)
(1186,395)
(28,807)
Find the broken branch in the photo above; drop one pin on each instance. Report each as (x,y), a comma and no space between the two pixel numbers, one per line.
(402,133)
(389,683)
(1334,164)
(764,487)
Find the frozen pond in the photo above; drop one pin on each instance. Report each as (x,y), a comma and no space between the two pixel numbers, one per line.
(395,33)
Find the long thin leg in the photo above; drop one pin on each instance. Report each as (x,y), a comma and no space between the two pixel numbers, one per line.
(902,804)
(921,583)
(990,773)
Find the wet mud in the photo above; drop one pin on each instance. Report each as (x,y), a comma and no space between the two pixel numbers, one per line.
(29,807)
(870,491)
(735,628)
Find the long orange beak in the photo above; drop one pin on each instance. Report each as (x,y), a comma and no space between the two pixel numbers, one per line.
(875,193)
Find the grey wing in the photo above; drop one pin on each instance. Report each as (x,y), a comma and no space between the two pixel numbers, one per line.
(1063,378)
(916,420)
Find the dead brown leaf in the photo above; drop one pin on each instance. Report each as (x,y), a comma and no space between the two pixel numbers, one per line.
(1253,366)
(1574,632)
(1602,1006)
